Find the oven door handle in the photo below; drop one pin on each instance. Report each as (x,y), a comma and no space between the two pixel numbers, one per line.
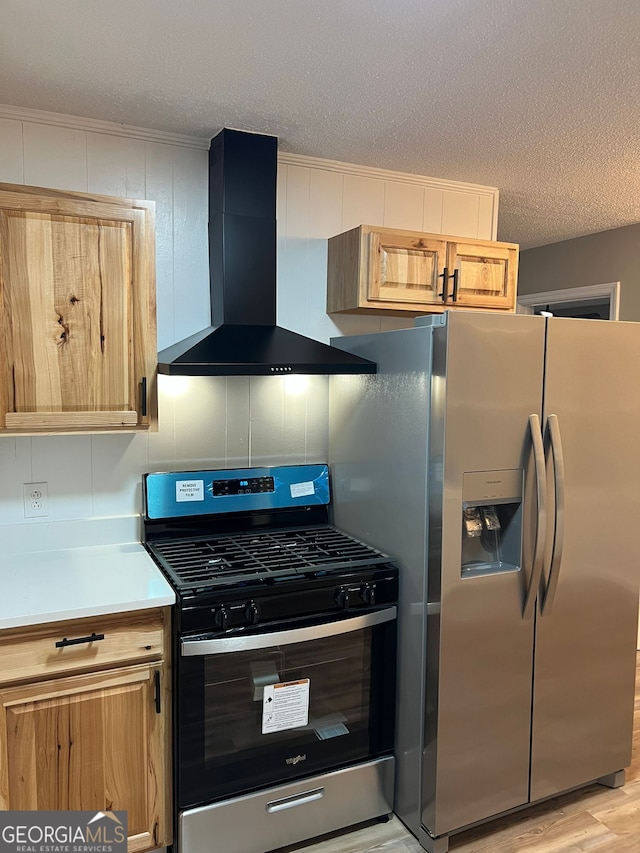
(249,642)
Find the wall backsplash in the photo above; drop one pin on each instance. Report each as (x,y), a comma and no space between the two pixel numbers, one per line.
(94,480)
(205,422)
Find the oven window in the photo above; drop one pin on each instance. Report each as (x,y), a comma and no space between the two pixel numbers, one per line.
(338,676)
(252,718)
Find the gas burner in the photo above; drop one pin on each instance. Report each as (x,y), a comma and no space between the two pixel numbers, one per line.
(222,560)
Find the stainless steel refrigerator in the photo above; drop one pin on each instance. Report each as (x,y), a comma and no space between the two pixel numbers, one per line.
(497,457)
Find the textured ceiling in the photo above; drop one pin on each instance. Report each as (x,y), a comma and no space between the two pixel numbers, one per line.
(540,98)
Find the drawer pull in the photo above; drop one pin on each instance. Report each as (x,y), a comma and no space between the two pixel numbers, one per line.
(296,800)
(78,640)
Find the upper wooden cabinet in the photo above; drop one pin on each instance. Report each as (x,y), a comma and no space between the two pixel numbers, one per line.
(387,271)
(77,312)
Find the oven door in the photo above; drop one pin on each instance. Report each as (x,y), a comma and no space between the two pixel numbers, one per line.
(256,708)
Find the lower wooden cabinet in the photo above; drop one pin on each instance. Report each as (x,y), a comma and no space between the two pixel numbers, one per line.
(96,740)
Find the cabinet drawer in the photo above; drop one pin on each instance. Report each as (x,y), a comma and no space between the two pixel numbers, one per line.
(102,641)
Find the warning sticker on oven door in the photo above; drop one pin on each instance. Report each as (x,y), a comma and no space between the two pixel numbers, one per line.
(285,706)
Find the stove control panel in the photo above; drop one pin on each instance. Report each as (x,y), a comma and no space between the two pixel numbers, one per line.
(239,486)
(291,600)
(178,494)
(347,596)
(236,615)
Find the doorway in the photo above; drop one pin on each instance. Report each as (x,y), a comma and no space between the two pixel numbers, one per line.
(594,301)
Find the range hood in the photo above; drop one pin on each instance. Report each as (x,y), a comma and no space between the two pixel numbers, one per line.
(243,339)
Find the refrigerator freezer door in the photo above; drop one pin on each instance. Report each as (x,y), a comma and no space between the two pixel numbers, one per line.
(488,379)
(585,651)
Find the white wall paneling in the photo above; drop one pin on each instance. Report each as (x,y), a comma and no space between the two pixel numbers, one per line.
(159,187)
(94,481)
(12,160)
(117,465)
(295,427)
(55,157)
(115,166)
(292,285)
(432,212)
(317,423)
(487,217)
(238,421)
(64,462)
(403,206)
(471,209)
(460,214)
(15,469)
(326,191)
(162,444)
(191,305)
(363,201)
(200,420)
(266,420)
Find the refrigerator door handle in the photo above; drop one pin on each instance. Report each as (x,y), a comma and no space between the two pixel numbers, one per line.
(541,495)
(558,533)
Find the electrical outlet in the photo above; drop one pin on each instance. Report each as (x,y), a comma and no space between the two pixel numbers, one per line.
(36,500)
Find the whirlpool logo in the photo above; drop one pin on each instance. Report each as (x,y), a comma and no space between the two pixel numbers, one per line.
(296,759)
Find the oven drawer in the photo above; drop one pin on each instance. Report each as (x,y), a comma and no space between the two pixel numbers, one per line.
(77,645)
(288,814)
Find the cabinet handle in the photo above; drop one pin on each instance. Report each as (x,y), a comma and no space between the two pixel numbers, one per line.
(156,683)
(76,641)
(455,284)
(143,396)
(444,275)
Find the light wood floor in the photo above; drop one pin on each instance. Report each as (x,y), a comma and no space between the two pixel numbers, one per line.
(593,820)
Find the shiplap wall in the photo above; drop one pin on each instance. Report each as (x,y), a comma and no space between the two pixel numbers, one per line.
(94,481)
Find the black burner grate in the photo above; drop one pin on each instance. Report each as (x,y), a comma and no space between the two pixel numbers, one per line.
(209,561)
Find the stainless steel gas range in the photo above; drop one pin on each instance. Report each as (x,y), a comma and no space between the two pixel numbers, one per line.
(284,658)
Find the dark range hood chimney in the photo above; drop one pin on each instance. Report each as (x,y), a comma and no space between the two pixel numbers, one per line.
(244,339)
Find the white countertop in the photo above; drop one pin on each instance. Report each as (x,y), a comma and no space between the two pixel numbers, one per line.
(49,586)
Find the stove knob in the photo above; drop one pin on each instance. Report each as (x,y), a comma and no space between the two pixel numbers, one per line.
(251,613)
(221,618)
(368,593)
(342,597)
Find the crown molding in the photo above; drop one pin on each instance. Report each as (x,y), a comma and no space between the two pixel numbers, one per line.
(110,128)
(287,159)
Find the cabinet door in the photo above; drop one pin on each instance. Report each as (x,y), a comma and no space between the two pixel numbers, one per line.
(77,311)
(486,274)
(405,269)
(88,742)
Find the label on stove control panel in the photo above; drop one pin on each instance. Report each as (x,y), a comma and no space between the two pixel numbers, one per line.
(301,490)
(285,706)
(189,490)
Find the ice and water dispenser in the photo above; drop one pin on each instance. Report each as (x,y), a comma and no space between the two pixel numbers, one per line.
(491,522)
